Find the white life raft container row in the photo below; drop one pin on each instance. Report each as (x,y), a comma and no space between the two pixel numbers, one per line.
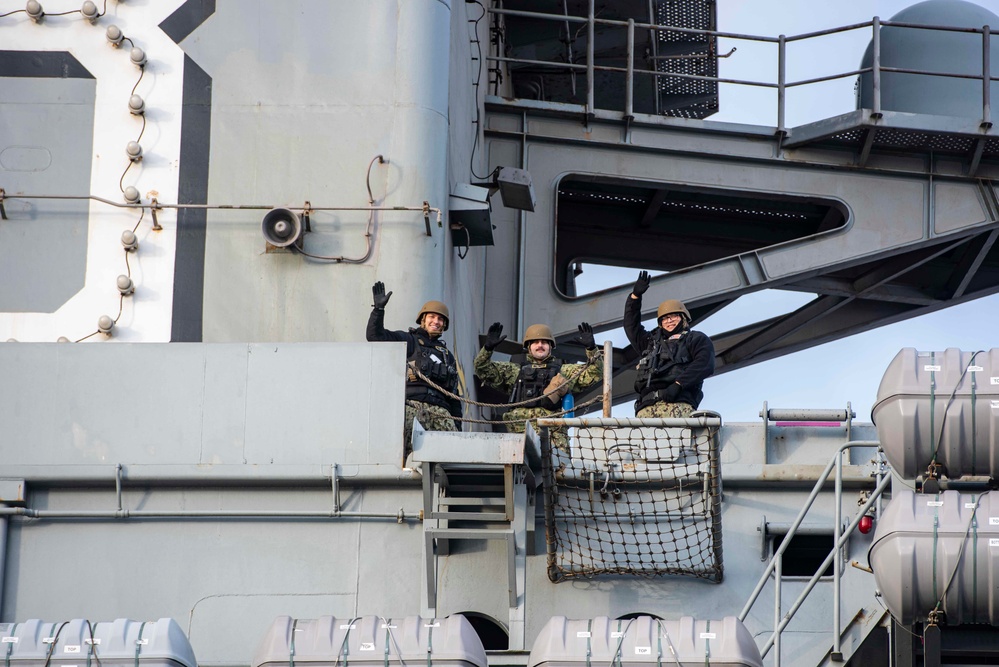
(940,407)
(941,549)
(644,640)
(442,642)
(80,642)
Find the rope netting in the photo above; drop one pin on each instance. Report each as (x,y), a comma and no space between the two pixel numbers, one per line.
(634,500)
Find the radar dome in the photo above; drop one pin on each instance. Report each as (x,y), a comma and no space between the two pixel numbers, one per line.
(934,51)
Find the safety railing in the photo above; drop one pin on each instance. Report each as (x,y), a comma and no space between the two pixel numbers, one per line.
(779,81)
(841,536)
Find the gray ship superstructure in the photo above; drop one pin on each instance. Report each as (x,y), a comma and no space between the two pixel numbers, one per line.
(201,461)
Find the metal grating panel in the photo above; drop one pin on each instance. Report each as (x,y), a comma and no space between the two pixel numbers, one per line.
(849,137)
(901,139)
(692,54)
(551,44)
(916,140)
(943,142)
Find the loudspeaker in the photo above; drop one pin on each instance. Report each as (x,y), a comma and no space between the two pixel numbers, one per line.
(282,228)
(468,216)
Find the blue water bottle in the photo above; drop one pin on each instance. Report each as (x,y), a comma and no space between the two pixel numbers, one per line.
(568,403)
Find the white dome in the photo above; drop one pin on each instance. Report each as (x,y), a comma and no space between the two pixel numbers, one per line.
(934,51)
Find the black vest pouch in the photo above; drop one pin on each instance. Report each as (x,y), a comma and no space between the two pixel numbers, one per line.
(435,364)
(531,383)
(661,364)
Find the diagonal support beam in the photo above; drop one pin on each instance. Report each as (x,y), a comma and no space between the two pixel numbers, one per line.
(824,305)
(782,327)
(652,210)
(970,262)
(831,286)
(976,156)
(865,151)
(852,316)
(900,265)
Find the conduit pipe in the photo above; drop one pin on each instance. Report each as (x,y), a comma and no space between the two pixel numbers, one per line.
(400,516)
(3,553)
(363,474)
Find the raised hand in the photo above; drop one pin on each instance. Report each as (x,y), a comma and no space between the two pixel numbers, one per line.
(585,336)
(378,292)
(493,337)
(642,284)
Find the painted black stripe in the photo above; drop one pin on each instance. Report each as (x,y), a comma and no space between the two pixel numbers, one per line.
(42,64)
(195,148)
(187,18)
(189,262)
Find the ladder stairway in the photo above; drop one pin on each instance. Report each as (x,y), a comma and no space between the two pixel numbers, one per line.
(478,486)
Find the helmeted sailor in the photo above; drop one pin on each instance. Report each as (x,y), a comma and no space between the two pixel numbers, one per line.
(675,360)
(542,380)
(427,353)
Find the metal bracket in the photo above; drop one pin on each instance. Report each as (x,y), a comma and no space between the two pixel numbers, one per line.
(307,215)
(335,480)
(13,492)
(153,207)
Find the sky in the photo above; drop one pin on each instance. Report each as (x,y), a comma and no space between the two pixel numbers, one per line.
(848,370)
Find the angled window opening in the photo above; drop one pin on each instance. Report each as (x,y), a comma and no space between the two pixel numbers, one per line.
(628,225)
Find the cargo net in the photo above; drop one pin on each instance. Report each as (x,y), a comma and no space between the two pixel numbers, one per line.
(633,500)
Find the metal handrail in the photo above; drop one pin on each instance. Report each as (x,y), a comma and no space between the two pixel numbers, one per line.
(780,84)
(840,538)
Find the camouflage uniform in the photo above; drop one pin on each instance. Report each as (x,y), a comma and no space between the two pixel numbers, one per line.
(432,418)
(502,375)
(665,410)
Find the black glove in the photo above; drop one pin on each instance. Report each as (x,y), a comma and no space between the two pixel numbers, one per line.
(493,338)
(585,337)
(378,292)
(671,392)
(642,284)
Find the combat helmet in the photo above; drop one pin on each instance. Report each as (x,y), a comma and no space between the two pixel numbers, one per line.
(672,306)
(538,332)
(434,307)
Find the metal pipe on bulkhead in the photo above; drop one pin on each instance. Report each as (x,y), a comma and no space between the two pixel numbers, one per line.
(361,474)
(876,68)
(3,556)
(399,517)
(781,84)
(986,78)
(590,25)
(197,476)
(608,377)
(629,82)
